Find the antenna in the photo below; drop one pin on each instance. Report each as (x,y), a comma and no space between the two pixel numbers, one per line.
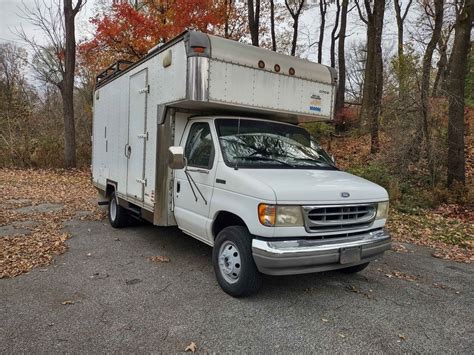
(236,167)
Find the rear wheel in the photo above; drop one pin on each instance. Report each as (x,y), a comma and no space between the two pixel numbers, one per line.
(118,216)
(233,262)
(354,269)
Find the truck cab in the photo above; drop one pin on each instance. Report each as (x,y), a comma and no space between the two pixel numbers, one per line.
(270,200)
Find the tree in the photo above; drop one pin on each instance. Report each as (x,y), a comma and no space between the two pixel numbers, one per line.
(323,8)
(341,57)
(401,16)
(16,101)
(373,78)
(55,62)
(436,12)
(333,34)
(128,32)
(272,25)
(456,85)
(439,84)
(67,84)
(295,7)
(254,20)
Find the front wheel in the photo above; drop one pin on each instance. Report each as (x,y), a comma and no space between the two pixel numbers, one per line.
(233,262)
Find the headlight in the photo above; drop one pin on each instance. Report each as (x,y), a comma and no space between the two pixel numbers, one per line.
(382,210)
(280,216)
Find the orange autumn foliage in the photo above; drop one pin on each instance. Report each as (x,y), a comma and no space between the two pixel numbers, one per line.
(128,32)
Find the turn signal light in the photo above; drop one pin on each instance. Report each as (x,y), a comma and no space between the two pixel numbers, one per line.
(267,214)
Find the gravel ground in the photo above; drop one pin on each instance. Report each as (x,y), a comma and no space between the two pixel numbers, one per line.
(105,295)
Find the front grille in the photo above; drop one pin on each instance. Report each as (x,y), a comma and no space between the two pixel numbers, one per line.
(338,217)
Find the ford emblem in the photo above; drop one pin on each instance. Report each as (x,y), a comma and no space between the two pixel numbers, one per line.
(345,194)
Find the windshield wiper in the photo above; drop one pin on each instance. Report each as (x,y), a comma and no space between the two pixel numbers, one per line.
(321,164)
(253,157)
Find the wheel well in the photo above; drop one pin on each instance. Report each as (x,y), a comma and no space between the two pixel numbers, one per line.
(109,189)
(225,219)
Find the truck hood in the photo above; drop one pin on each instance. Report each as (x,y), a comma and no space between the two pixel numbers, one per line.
(293,186)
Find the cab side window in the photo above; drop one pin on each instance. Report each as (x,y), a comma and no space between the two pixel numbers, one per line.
(199,150)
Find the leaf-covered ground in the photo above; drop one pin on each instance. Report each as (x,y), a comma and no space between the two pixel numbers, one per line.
(34,204)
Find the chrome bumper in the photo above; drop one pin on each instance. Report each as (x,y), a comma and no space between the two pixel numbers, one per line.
(304,256)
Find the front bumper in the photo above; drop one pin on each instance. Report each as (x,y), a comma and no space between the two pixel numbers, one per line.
(302,256)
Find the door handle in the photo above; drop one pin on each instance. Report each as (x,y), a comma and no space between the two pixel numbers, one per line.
(178,187)
(128,150)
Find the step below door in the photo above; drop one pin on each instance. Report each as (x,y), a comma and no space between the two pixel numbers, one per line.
(137,136)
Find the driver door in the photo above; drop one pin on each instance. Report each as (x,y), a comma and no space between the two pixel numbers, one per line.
(193,185)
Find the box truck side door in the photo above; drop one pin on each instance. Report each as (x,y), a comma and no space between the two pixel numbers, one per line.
(193,186)
(135,148)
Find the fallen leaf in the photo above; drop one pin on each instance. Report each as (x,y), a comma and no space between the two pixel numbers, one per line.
(324,320)
(160,259)
(341,335)
(67,302)
(191,347)
(402,337)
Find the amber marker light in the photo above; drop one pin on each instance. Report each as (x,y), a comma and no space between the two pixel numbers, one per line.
(266,214)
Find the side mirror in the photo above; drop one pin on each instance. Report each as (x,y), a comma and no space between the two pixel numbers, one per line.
(176,158)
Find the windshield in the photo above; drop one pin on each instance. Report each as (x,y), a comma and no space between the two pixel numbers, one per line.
(271,145)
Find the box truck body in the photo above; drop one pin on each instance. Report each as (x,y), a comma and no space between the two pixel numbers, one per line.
(203,133)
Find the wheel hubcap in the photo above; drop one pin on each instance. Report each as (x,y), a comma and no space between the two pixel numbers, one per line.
(229,261)
(113,209)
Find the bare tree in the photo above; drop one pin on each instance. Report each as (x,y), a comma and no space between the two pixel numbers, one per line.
(55,61)
(341,57)
(401,16)
(439,84)
(272,25)
(16,101)
(254,20)
(456,85)
(436,12)
(333,34)
(373,78)
(295,7)
(323,9)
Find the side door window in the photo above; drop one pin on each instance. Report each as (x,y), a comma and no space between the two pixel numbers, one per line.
(199,150)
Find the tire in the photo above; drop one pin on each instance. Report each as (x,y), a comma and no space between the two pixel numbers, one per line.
(118,216)
(233,262)
(354,269)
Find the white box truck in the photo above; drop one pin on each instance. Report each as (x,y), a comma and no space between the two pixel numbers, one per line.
(202,133)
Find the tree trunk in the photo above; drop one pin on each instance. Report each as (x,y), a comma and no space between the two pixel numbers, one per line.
(425,83)
(67,85)
(442,66)
(228,6)
(341,58)
(322,11)
(400,31)
(272,25)
(373,78)
(295,14)
(254,20)
(460,53)
(333,34)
